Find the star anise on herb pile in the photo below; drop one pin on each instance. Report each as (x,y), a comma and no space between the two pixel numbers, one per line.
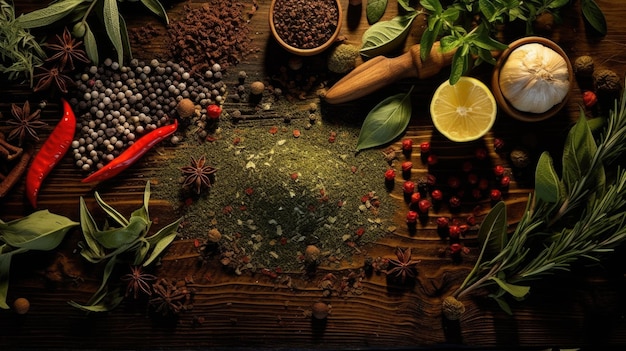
(25,123)
(138,281)
(198,174)
(169,299)
(404,266)
(49,76)
(66,51)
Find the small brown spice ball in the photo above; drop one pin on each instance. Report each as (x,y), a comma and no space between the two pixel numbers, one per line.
(214,235)
(311,253)
(520,158)
(257,88)
(185,108)
(21,305)
(343,58)
(320,310)
(584,66)
(606,80)
(452,308)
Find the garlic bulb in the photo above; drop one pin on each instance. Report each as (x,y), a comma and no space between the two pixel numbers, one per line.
(534,78)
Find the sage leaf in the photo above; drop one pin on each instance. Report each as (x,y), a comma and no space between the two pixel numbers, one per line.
(111,19)
(40,230)
(142,251)
(125,39)
(492,232)
(578,152)
(547,183)
(504,306)
(118,237)
(385,121)
(143,210)
(91,47)
(386,36)
(594,16)
(90,228)
(517,291)
(162,239)
(157,8)
(374,10)
(109,210)
(48,15)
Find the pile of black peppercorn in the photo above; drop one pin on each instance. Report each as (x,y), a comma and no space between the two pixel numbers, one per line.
(117,104)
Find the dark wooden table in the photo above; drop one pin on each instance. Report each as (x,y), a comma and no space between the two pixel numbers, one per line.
(582,308)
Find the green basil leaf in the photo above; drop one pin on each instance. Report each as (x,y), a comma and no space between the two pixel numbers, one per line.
(40,230)
(89,228)
(578,152)
(428,40)
(432,5)
(518,291)
(162,239)
(385,121)
(492,235)
(555,4)
(460,62)
(404,4)
(374,10)
(111,18)
(118,237)
(488,9)
(91,47)
(157,8)
(594,16)
(109,210)
(48,15)
(547,183)
(386,36)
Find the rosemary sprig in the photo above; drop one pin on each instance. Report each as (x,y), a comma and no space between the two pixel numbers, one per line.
(20,52)
(579,215)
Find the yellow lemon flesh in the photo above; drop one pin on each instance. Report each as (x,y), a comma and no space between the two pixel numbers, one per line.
(464,111)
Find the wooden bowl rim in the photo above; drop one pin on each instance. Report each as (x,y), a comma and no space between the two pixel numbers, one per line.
(306,52)
(503,102)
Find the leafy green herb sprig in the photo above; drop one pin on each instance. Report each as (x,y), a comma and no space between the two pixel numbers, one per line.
(128,243)
(580,214)
(39,231)
(79,11)
(20,52)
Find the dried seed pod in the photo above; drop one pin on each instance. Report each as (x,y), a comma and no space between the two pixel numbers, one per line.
(606,80)
(185,108)
(584,66)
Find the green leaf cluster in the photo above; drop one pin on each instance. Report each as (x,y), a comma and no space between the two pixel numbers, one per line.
(578,214)
(470,26)
(39,231)
(77,13)
(125,240)
(20,52)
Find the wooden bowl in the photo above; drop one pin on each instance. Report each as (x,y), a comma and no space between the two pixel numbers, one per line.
(503,102)
(306,52)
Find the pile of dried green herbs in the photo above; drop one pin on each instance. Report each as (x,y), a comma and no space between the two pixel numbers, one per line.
(279,188)
(579,214)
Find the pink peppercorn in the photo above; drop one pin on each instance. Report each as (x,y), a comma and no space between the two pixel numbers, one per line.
(432,160)
(454,231)
(406,166)
(390,175)
(407,144)
(456,248)
(480,153)
(408,187)
(495,195)
(454,202)
(498,170)
(425,147)
(589,98)
(214,111)
(442,222)
(424,205)
(498,144)
(415,198)
(437,195)
(505,181)
(411,217)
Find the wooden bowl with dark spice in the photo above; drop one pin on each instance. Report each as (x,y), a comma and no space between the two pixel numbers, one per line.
(305,27)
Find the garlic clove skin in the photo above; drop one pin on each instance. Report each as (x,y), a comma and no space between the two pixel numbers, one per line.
(534,78)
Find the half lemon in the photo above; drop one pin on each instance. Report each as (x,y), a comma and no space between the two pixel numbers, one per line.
(464,111)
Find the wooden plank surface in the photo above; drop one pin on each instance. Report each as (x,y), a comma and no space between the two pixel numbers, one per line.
(256,311)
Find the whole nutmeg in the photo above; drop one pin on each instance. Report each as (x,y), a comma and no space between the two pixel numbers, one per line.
(520,157)
(320,310)
(311,253)
(584,66)
(214,235)
(452,308)
(343,58)
(185,108)
(21,305)
(606,80)
(257,88)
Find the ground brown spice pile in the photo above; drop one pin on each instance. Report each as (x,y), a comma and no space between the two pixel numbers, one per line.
(216,32)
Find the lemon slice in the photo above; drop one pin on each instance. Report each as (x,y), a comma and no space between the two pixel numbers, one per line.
(464,111)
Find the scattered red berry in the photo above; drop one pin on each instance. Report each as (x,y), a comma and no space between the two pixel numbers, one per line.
(498,144)
(481,153)
(424,205)
(296,133)
(442,222)
(406,166)
(483,184)
(294,176)
(472,178)
(214,111)
(408,187)
(456,249)
(273,130)
(498,170)
(432,160)
(407,144)
(249,191)
(360,231)
(425,147)
(454,182)
(390,175)
(437,195)
(495,195)
(505,181)
(415,198)
(454,231)
(589,98)
(471,220)
(411,217)
(454,202)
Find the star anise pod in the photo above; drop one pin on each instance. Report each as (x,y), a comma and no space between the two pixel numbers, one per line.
(404,266)
(66,51)
(52,75)
(198,174)
(25,123)
(138,280)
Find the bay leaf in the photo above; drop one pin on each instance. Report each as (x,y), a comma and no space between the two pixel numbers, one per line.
(594,16)
(386,36)
(41,230)
(385,121)
(374,10)
(48,15)
(111,19)
(157,8)
(547,182)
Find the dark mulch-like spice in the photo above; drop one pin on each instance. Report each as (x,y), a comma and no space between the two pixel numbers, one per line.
(305,24)
(216,32)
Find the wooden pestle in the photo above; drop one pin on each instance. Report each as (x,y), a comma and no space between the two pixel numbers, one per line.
(381,71)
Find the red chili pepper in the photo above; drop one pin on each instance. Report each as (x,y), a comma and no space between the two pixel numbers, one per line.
(51,153)
(132,154)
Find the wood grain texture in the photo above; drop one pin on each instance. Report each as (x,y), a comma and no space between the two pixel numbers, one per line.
(255,311)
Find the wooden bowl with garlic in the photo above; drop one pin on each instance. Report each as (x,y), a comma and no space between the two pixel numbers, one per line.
(532,79)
